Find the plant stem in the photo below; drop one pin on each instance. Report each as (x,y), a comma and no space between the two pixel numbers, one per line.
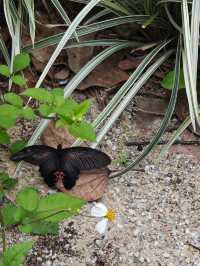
(3,232)
(44,117)
(50,215)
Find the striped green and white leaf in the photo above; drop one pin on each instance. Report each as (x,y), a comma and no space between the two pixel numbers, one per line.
(167,117)
(190,55)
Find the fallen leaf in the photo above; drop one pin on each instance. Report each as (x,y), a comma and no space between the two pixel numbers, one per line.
(153,106)
(130,63)
(53,136)
(182,111)
(90,186)
(105,75)
(61,73)
(78,57)
(40,57)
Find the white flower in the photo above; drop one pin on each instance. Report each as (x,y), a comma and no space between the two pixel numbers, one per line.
(100,210)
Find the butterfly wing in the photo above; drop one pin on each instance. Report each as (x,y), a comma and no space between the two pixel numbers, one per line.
(44,156)
(36,154)
(84,158)
(71,176)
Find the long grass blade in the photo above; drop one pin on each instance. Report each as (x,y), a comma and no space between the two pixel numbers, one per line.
(4,50)
(8,17)
(129,96)
(175,136)
(66,37)
(64,15)
(97,16)
(29,4)
(167,117)
(118,97)
(84,30)
(189,62)
(76,80)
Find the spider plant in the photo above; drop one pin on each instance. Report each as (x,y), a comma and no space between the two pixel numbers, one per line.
(167,28)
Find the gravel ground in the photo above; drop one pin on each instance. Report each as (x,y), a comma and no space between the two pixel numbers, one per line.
(157,213)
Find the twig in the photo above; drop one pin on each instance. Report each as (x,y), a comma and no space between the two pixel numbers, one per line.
(134,169)
(146,142)
(193,246)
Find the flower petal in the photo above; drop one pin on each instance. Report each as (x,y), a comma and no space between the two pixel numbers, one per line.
(101,226)
(99,210)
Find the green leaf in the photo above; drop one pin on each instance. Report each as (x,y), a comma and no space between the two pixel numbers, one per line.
(82,108)
(6,181)
(17,146)
(28,199)
(9,183)
(45,109)
(27,113)
(40,228)
(2,193)
(82,130)
(61,123)
(5,71)
(16,255)
(66,109)
(168,79)
(39,94)
(12,214)
(8,115)
(62,204)
(58,95)
(4,137)
(20,62)
(18,80)
(13,99)
(4,176)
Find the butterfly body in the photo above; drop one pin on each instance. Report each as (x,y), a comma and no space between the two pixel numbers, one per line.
(65,164)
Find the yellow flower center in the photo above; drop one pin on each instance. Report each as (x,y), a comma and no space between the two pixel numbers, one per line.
(110,215)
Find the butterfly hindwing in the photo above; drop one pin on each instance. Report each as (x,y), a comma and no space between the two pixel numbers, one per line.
(71,176)
(84,158)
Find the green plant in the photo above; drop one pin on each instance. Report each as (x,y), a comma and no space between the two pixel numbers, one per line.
(6,183)
(39,215)
(33,214)
(15,255)
(30,213)
(67,113)
(123,160)
(168,79)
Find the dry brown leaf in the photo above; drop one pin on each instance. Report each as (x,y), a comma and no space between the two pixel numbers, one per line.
(182,111)
(130,63)
(78,57)
(90,186)
(154,106)
(40,57)
(53,136)
(61,73)
(105,75)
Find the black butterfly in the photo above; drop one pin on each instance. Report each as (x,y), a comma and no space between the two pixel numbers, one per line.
(62,163)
